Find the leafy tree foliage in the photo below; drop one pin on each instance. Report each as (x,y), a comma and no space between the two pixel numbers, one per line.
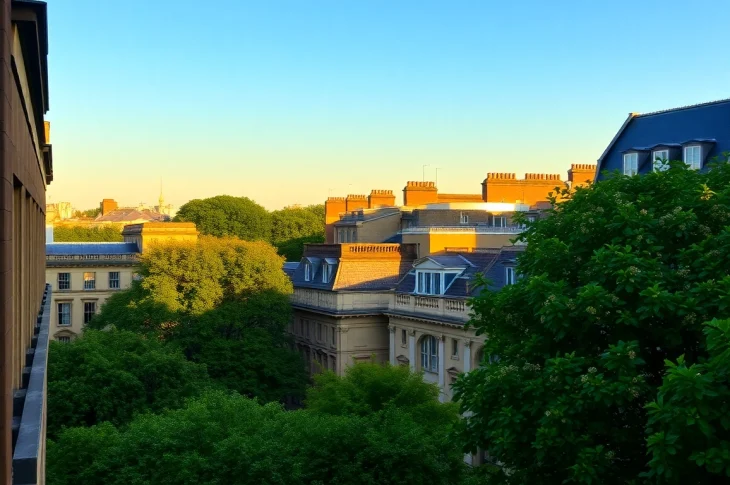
(224,303)
(88,213)
(690,419)
(228,216)
(616,281)
(111,376)
(370,388)
(292,228)
(107,233)
(238,441)
(195,278)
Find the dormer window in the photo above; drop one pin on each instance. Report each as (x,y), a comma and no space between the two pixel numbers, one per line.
(434,282)
(463,218)
(326,272)
(500,221)
(693,156)
(509,275)
(660,160)
(631,163)
(307,271)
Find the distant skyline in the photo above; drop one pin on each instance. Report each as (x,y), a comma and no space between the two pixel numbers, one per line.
(287,102)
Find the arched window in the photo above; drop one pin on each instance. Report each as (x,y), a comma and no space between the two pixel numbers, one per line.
(429,354)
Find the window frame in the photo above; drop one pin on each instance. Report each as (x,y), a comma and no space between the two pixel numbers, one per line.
(64,339)
(429,354)
(403,337)
(61,314)
(699,156)
(502,221)
(118,280)
(67,282)
(454,347)
(319,332)
(463,218)
(307,271)
(510,275)
(663,159)
(89,284)
(88,315)
(433,282)
(633,163)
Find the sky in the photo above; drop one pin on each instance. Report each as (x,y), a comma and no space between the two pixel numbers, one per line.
(291,101)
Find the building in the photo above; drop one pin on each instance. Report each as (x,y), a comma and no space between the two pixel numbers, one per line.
(84,275)
(111,213)
(26,168)
(341,293)
(693,134)
(357,302)
(59,211)
(437,221)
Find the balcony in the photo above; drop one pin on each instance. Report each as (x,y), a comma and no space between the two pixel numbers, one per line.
(431,307)
(344,302)
(29,404)
(478,229)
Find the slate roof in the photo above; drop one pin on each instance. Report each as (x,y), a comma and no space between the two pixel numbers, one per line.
(290,268)
(85,249)
(699,123)
(471,262)
(131,215)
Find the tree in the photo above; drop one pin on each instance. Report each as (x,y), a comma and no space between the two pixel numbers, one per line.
(228,216)
(196,277)
(106,233)
(224,303)
(237,441)
(370,388)
(293,249)
(688,423)
(618,279)
(111,376)
(291,229)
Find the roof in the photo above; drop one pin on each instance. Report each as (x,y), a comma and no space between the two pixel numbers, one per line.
(289,268)
(665,125)
(129,215)
(86,248)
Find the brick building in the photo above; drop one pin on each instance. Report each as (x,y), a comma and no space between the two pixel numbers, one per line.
(26,168)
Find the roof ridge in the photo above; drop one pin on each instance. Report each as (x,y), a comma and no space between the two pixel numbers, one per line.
(679,108)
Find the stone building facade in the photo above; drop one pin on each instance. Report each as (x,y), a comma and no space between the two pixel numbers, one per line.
(26,168)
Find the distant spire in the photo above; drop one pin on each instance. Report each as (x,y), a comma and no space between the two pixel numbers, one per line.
(162,199)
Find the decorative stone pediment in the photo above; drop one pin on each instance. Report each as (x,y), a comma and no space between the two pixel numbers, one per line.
(403,360)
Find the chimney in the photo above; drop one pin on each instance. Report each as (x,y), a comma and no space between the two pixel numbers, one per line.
(381,198)
(419,193)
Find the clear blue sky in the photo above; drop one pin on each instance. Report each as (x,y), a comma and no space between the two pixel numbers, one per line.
(291,101)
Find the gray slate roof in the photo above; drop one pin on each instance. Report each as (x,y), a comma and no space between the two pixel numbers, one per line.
(84,248)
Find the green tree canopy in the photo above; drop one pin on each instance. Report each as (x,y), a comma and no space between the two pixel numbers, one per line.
(106,233)
(111,376)
(618,279)
(228,216)
(222,439)
(294,223)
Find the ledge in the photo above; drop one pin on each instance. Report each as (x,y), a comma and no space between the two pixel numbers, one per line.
(29,449)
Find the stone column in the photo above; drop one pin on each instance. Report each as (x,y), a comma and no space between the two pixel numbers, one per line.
(412,349)
(392,344)
(442,369)
(467,355)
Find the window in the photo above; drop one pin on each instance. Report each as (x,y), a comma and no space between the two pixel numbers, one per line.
(429,354)
(432,282)
(64,313)
(403,337)
(306,328)
(319,332)
(531,219)
(454,347)
(326,272)
(334,336)
(64,340)
(64,281)
(113,280)
(509,278)
(660,160)
(693,156)
(307,272)
(464,218)
(89,311)
(89,281)
(631,163)
(500,221)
